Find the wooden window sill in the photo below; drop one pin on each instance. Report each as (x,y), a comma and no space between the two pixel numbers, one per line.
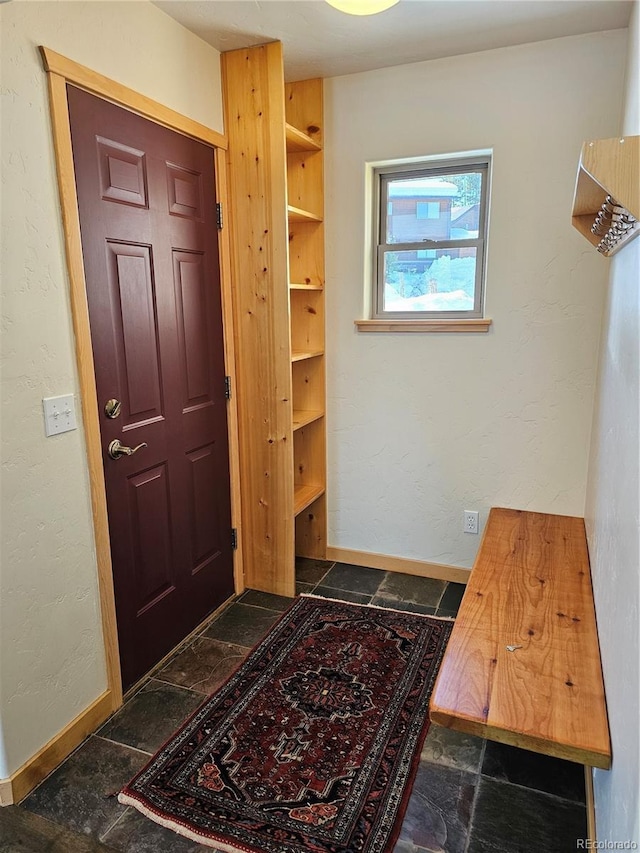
(477,324)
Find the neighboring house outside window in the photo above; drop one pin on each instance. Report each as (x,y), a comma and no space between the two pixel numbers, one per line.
(431,224)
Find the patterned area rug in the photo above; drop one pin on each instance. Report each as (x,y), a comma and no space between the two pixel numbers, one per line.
(312,745)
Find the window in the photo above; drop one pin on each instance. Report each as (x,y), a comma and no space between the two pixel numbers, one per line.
(430,223)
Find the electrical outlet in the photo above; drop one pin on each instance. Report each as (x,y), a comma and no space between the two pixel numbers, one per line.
(470,521)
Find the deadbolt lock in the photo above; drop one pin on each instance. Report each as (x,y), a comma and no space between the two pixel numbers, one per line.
(112,408)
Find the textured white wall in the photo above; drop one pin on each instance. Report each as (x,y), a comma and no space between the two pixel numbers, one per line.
(424,426)
(51,651)
(613,514)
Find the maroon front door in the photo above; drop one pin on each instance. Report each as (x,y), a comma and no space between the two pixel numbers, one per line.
(146,197)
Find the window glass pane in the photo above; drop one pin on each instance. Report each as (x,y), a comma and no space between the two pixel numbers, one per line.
(445,282)
(427,209)
(434,207)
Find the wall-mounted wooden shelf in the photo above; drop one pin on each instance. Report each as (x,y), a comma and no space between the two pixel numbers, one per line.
(296,286)
(297,141)
(608,168)
(530,587)
(296,214)
(304,496)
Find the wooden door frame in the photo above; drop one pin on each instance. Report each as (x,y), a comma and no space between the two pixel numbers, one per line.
(61,71)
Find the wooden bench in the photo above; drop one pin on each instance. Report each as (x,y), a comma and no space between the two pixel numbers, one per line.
(523,664)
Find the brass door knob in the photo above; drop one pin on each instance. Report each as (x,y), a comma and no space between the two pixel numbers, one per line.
(116,450)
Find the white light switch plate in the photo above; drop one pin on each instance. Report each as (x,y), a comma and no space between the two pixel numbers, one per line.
(59,414)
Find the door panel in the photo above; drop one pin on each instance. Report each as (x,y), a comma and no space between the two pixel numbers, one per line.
(147,214)
(185,192)
(122,173)
(191,305)
(204,514)
(149,507)
(131,279)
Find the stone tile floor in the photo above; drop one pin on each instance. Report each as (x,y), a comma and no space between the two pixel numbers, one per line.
(470,796)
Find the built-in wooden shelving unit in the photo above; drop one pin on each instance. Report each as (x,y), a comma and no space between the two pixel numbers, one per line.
(606,205)
(304,117)
(279,311)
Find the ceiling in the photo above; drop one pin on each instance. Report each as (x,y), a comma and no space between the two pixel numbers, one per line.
(320,41)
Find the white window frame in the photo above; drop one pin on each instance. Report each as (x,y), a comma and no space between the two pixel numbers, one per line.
(443,165)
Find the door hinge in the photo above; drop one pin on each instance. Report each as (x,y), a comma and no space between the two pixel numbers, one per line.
(219,215)
(227,387)
(234,539)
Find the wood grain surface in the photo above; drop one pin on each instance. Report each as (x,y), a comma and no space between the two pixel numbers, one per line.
(256,176)
(530,589)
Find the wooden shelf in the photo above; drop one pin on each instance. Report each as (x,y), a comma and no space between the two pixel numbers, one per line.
(301,356)
(298,141)
(296,286)
(301,419)
(522,666)
(608,167)
(305,495)
(296,214)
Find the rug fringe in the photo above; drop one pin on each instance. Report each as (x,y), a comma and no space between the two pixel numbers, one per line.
(178,828)
(377,607)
